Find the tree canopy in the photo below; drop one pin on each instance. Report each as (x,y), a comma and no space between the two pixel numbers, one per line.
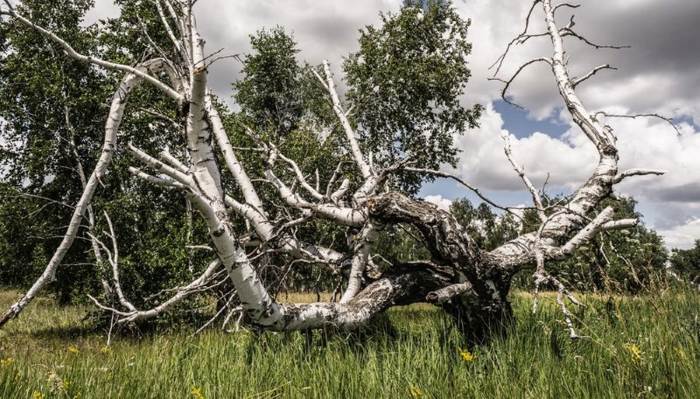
(406,85)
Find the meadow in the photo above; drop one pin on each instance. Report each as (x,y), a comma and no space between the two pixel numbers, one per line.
(647,346)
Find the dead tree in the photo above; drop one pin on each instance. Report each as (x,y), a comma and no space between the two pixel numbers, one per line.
(470,283)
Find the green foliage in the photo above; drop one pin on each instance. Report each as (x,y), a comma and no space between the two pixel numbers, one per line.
(398,244)
(48,101)
(270,94)
(405,85)
(640,347)
(687,262)
(488,230)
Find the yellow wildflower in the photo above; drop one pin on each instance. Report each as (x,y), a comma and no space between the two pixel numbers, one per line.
(197,393)
(73,349)
(106,350)
(467,356)
(634,351)
(681,353)
(415,391)
(6,362)
(37,395)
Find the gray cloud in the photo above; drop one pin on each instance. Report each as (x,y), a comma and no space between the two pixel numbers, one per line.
(689,192)
(324,30)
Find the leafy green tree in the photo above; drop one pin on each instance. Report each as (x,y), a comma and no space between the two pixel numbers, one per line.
(54,112)
(687,262)
(405,86)
(49,105)
(270,94)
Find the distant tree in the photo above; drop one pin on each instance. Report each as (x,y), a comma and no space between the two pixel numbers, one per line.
(486,228)
(687,262)
(405,85)
(270,93)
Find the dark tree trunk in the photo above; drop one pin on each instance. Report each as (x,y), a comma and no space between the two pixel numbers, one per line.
(481,320)
(477,295)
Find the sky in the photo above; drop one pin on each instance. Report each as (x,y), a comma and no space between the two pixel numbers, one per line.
(659,73)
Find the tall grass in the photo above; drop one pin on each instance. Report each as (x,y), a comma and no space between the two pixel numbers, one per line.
(637,347)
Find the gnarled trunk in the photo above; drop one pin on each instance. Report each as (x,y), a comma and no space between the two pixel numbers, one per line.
(477,293)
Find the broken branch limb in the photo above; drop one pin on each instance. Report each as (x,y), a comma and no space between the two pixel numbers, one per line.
(637,172)
(443,295)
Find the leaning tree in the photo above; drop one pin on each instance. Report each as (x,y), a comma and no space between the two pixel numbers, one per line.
(468,282)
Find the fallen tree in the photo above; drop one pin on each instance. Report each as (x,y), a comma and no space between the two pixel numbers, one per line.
(470,283)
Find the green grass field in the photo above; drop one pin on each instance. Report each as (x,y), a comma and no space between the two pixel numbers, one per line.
(637,347)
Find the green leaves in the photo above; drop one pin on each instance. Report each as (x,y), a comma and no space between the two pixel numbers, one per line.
(270,94)
(687,262)
(486,228)
(405,86)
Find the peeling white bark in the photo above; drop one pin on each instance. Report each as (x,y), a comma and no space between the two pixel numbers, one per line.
(360,260)
(360,161)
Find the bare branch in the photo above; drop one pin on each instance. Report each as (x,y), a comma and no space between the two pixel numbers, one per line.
(297,172)
(171,34)
(364,167)
(232,163)
(465,184)
(499,62)
(154,179)
(586,233)
(567,31)
(595,70)
(515,75)
(619,224)
(161,167)
(562,5)
(114,261)
(195,286)
(637,172)
(536,198)
(361,255)
(635,116)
